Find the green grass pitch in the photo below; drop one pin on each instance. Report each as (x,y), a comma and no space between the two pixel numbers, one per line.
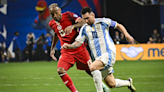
(41,76)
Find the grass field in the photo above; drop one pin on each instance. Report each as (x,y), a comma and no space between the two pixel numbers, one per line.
(41,76)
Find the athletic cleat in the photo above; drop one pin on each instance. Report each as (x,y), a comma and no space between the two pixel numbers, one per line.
(131,87)
(106,90)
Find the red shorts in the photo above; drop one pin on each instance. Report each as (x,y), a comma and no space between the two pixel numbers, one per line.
(82,60)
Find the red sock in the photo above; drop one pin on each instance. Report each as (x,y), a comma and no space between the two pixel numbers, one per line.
(68,82)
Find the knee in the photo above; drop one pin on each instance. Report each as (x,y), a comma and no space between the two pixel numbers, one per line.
(93,67)
(61,70)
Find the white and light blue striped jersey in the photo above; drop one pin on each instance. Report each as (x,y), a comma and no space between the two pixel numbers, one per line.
(99,39)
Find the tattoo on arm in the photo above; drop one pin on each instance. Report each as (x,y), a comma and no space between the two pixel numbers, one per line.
(74,45)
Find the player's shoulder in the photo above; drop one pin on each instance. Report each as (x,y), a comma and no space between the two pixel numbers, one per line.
(84,26)
(52,22)
(103,19)
(67,12)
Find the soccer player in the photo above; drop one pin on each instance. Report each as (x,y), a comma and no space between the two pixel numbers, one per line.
(62,24)
(96,31)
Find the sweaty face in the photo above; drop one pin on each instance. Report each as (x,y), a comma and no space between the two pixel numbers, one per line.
(55,13)
(89,18)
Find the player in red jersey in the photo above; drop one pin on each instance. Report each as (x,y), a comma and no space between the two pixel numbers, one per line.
(62,24)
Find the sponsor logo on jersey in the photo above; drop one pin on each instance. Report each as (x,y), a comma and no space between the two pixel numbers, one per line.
(132,52)
(59,27)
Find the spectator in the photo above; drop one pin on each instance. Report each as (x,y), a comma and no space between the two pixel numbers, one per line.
(150,40)
(26,54)
(5,54)
(122,39)
(156,36)
(154,2)
(17,47)
(117,38)
(39,51)
(30,44)
(163,40)
(48,46)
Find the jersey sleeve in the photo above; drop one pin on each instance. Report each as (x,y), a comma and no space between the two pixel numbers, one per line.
(110,23)
(74,16)
(50,23)
(81,37)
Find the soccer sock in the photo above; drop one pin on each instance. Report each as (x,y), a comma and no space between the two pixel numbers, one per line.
(68,82)
(104,86)
(121,83)
(97,78)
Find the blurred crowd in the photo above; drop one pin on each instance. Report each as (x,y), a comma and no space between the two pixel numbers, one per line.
(37,49)
(155,37)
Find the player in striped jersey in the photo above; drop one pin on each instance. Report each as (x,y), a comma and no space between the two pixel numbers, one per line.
(96,31)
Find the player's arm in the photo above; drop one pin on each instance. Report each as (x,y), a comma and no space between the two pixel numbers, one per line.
(78,20)
(122,29)
(54,42)
(78,41)
(74,45)
(79,23)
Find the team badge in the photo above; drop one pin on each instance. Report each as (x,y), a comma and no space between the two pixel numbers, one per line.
(59,27)
(75,15)
(98,27)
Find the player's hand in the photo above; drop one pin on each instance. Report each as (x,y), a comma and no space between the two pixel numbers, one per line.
(52,53)
(130,39)
(65,46)
(68,29)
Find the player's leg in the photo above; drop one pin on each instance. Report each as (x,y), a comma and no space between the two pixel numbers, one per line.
(102,63)
(63,66)
(95,68)
(115,83)
(87,70)
(108,74)
(83,62)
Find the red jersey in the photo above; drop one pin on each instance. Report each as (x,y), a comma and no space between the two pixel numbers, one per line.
(59,27)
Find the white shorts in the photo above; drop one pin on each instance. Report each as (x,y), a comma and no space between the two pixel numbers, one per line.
(108,60)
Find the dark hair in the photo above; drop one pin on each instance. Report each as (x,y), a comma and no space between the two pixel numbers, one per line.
(85,10)
(16,32)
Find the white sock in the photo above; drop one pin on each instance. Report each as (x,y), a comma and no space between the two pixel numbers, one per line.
(121,83)
(103,85)
(97,78)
